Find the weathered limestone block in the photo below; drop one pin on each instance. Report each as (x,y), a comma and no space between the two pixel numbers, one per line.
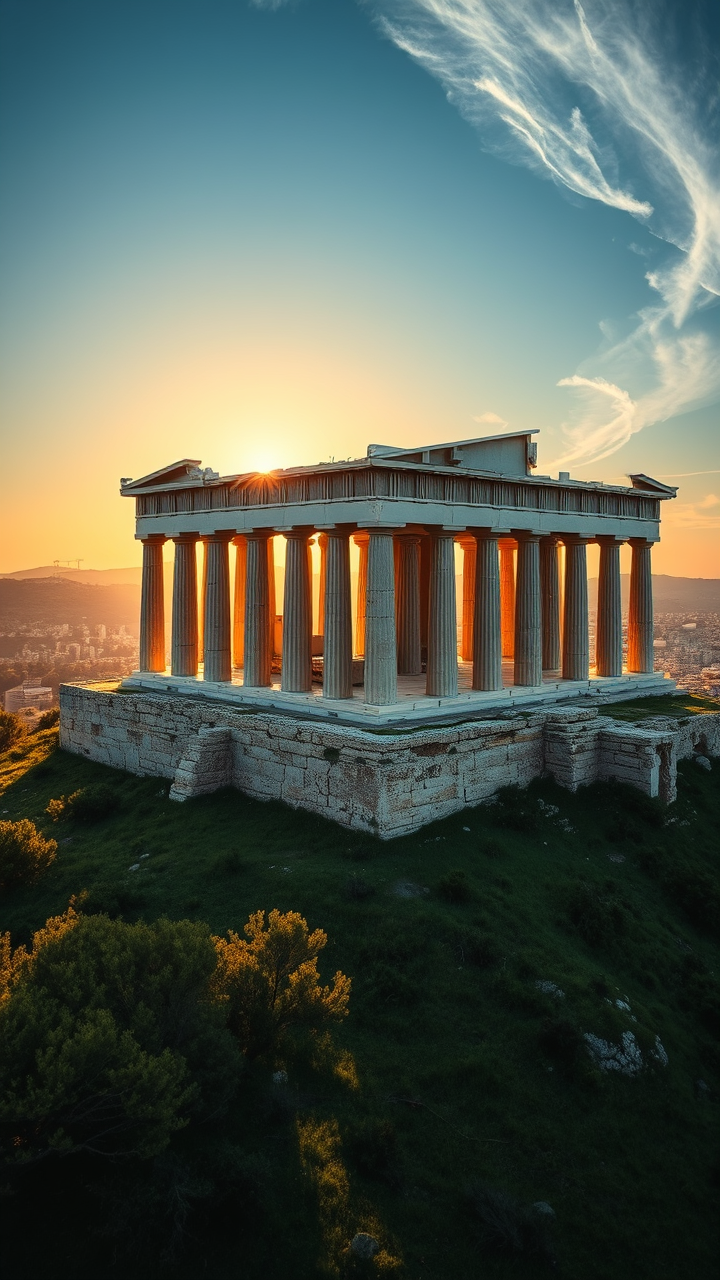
(206,766)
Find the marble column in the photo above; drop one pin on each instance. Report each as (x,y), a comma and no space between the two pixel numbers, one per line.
(608,629)
(337,648)
(407,602)
(425,561)
(442,666)
(361,540)
(487,638)
(528,611)
(550,588)
(380,641)
(218,660)
(258,640)
(272,604)
(201,602)
(184,656)
(240,545)
(640,616)
(575,647)
(469,575)
(322,543)
(152,606)
(507,598)
(297,616)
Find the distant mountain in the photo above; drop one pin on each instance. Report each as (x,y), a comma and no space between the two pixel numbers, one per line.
(55,600)
(672,595)
(98,577)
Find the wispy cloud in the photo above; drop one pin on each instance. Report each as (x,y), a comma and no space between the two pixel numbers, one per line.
(587,96)
(493,418)
(694,515)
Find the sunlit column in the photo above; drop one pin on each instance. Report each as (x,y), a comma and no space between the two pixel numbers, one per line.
(152,606)
(322,543)
(184,656)
(528,611)
(575,645)
(407,603)
(201,602)
(272,603)
(640,616)
(362,541)
(442,667)
(218,661)
(608,629)
(487,655)
(507,597)
(258,653)
(240,545)
(337,649)
(469,548)
(297,615)
(380,642)
(550,588)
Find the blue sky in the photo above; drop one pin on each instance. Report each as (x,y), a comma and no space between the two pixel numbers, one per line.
(270,235)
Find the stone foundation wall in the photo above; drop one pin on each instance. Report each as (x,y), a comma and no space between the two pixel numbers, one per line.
(389,783)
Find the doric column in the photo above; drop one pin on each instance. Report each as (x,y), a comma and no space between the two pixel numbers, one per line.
(218,661)
(407,603)
(550,589)
(272,604)
(297,615)
(184,659)
(507,597)
(238,652)
(469,547)
(487,645)
(442,667)
(362,541)
(322,543)
(608,628)
(337,649)
(528,611)
(575,648)
(258,642)
(152,606)
(380,643)
(201,603)
(640,616)
(425,561)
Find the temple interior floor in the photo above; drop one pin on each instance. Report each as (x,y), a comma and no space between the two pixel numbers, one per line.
(413,705)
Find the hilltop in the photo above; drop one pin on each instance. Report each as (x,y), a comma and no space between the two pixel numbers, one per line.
(56,600)
(482,950)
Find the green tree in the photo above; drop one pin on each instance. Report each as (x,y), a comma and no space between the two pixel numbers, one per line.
(11,729)
(24,853)
(270,983)
(111,1038)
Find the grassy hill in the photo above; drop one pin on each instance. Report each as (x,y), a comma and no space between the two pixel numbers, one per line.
(460,1091)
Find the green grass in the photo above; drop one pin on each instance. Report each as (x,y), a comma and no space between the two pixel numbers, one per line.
(457,1071)
(679,705)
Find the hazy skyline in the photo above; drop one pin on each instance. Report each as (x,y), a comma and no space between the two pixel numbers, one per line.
(268,235)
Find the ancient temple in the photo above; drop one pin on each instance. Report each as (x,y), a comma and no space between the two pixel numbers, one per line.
(404,646)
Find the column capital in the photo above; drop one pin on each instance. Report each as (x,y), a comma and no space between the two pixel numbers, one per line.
(526,535)
(483,532)
(181,539)
(575,539)
(642,542)
(239,539)
(411,539)
(609,539)
(219,535)
(154,540)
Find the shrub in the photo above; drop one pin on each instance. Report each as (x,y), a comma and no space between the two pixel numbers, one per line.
(24,853)
(697,891)
(49,719)
(372,1146)
(12,728)
(508,1226)
(454,887)
(599,917)
(110,1039)
(515,810)
(270,983)
(563,1043)
(89,804)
